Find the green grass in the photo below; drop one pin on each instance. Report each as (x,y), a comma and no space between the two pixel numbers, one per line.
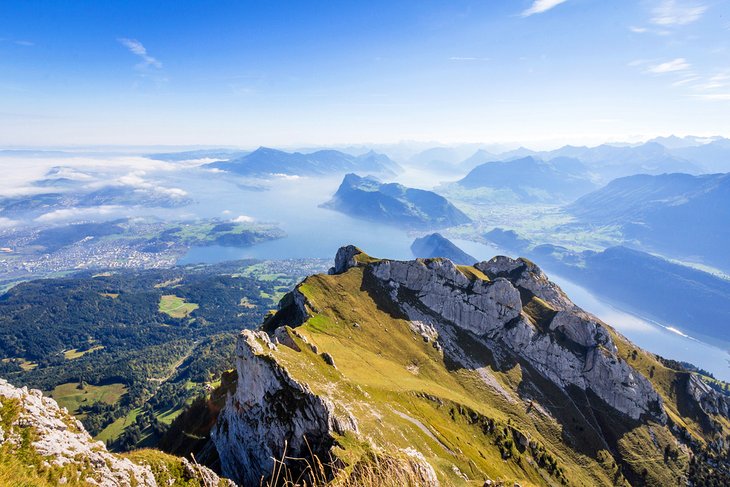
(23,363)
(403,395)
(74,354)
(169,283)
(169,416)
(167,469)
(175,306)
(115,429)
(68,395)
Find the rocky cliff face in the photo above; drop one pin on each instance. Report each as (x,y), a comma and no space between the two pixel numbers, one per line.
(709,400)
(428,362)
(271,415)
(54,445)
(569,347)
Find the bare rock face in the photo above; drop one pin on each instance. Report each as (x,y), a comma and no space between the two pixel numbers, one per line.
(574,350)
(524,274)
(345,259)
(711,401)
(62,440)
(477,306)
(270,412)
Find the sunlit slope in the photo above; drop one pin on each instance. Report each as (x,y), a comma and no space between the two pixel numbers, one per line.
(497,418)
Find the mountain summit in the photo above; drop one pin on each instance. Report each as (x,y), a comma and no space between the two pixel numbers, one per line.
(460,375)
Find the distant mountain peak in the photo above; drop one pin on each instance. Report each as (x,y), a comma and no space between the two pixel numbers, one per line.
(266,161)
(436,245)
(392,203)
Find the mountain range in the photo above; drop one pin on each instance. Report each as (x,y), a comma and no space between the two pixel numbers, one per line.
(530,179)
(266,162)
(459,375)
(681,215)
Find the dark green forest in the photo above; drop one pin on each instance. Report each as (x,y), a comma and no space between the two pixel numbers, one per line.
(106,332)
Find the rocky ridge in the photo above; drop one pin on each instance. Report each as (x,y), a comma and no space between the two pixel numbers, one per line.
(572,349)
(298,377)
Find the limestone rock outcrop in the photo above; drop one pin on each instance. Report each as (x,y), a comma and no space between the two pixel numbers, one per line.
(710,401)
(271,415)
(574,349)
(61,440)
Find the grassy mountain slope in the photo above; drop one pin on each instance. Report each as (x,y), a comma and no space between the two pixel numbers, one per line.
(500,421)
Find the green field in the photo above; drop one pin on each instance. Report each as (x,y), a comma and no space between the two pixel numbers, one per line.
(168,416)
(24,364)
(175,306)
(115,429)
(68,395)
(73,353)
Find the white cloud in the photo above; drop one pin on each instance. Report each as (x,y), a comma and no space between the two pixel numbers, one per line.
(136,180)
(18,42)
(70,213)
(136,47)
(673,66)
(638,30)
(172,192)
(718,81)
(540,6)
(714,96)
(243,219)
(686,81)
(7,222)
(673,12)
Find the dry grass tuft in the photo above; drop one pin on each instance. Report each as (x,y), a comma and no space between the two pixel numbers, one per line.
(373,470)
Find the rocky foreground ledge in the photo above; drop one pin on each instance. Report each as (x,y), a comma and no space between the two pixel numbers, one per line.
(42,444)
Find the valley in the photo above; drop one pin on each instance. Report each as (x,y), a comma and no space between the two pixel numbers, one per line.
(181,283)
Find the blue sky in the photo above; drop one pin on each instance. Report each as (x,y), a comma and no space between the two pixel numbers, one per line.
(281,73)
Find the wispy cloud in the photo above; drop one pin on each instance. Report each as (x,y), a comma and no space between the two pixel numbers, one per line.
(675,12)
(72,213)
(7,222)
(137,48)
(540,6)
(673,66)
(467,59)
(714,96)
(18,42)
(686,81)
